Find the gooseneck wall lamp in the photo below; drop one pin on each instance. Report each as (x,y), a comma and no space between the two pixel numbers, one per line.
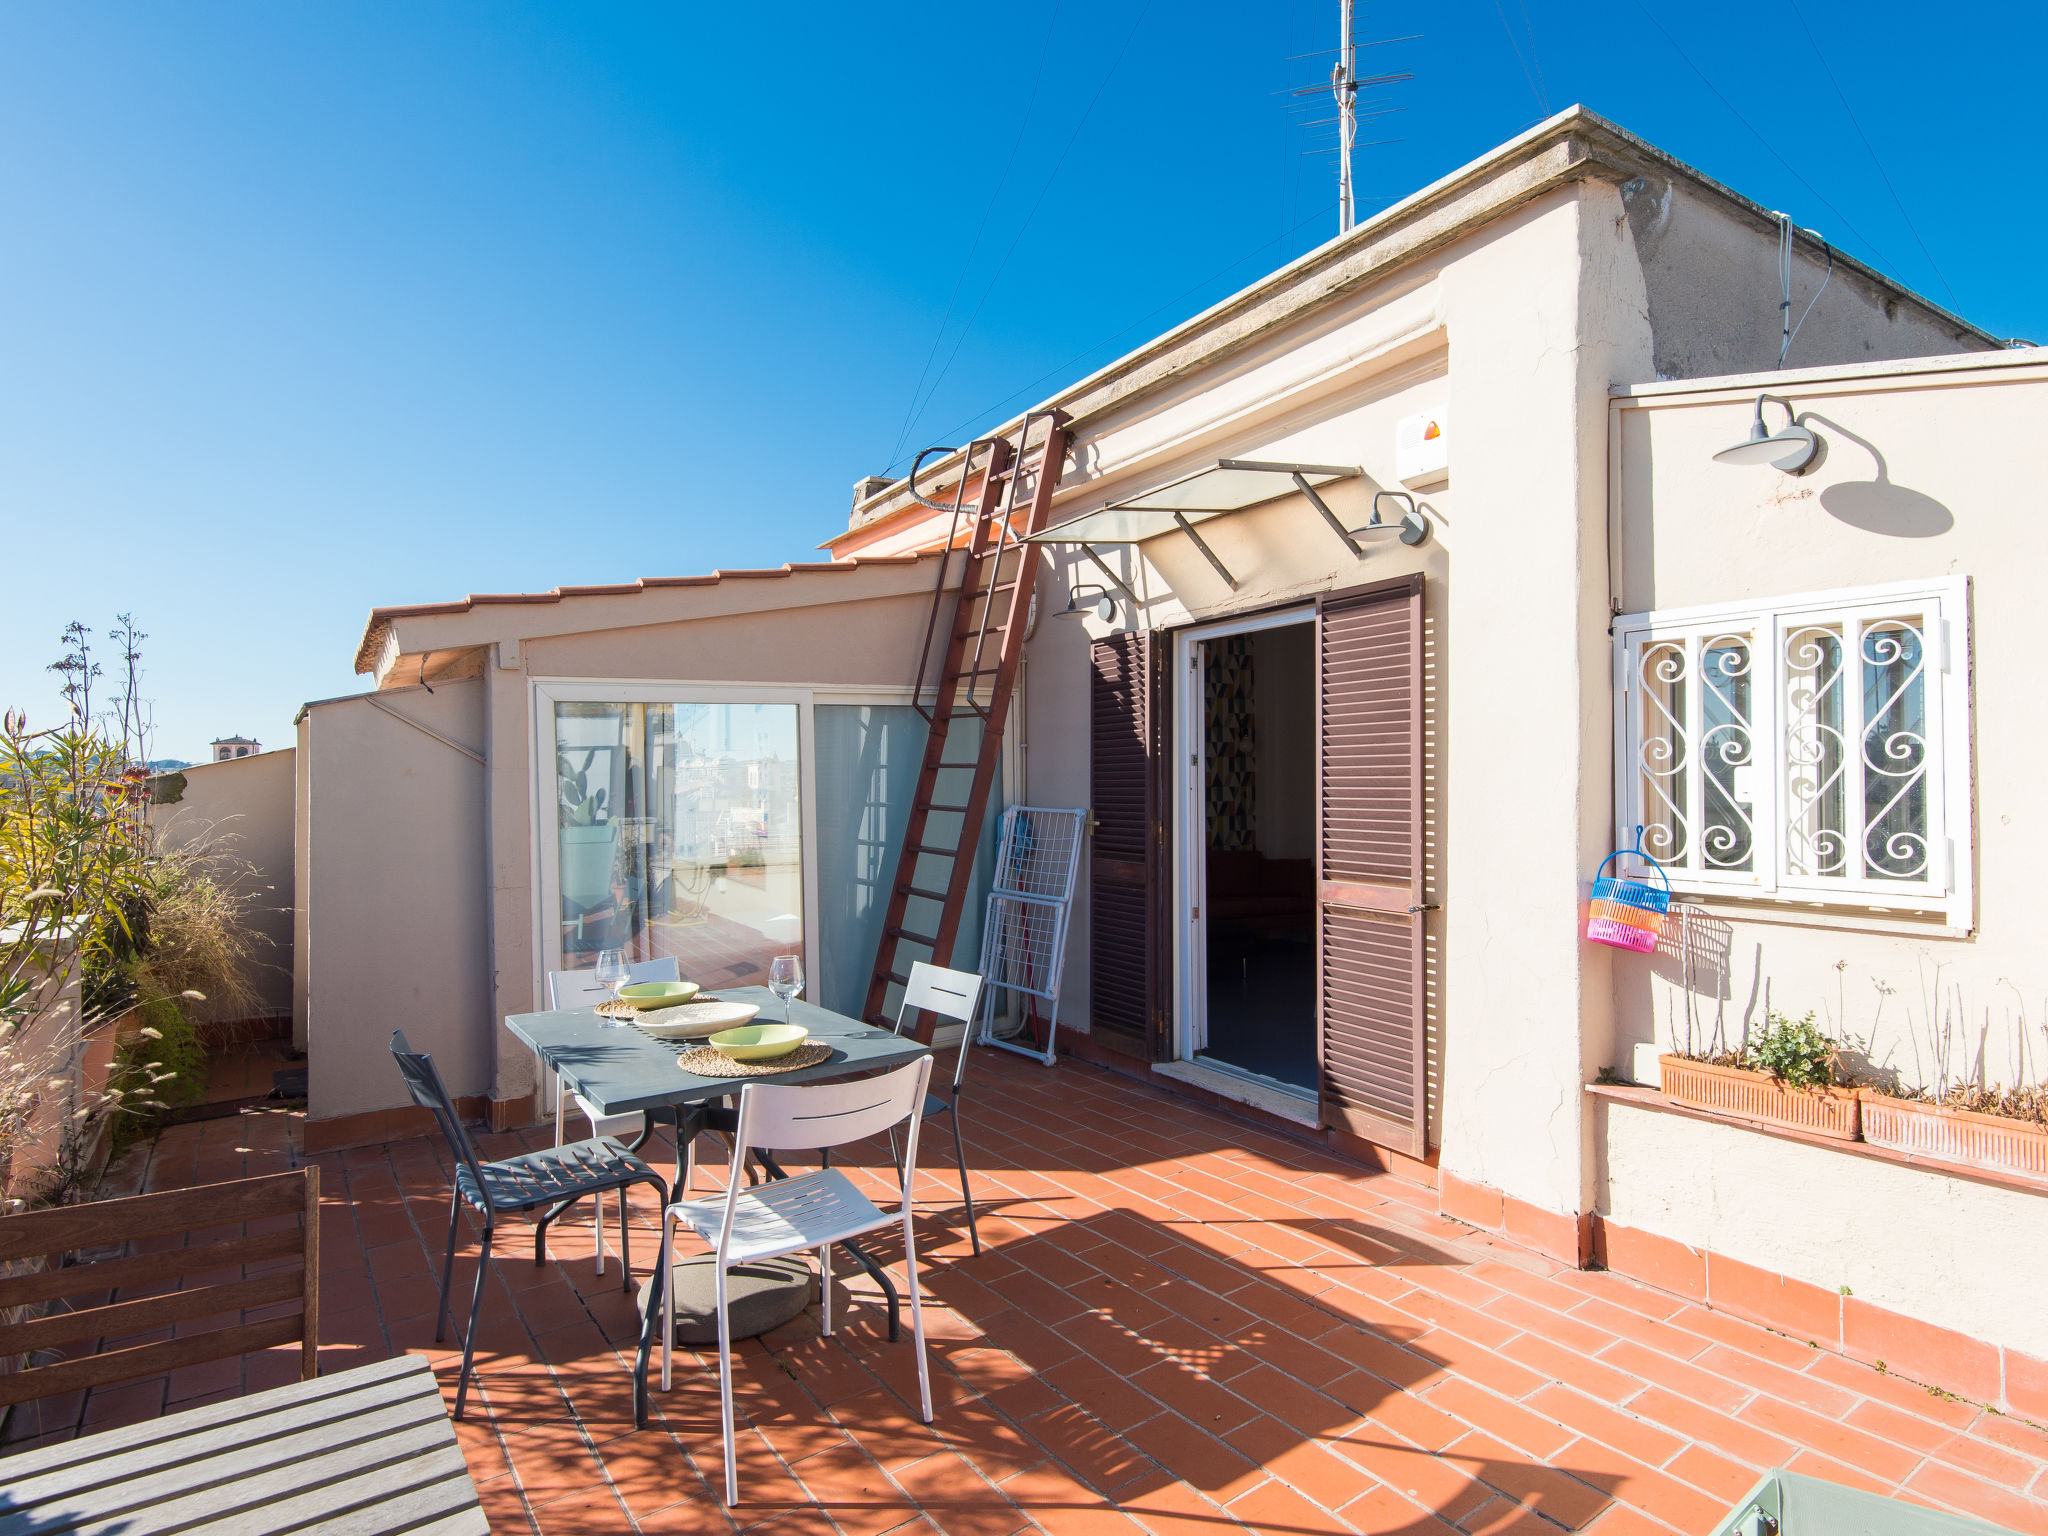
(1103,604)
(1413,527)
(1792,448)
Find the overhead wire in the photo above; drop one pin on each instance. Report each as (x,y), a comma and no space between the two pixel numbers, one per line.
(1094,347)
(1529,31)
(974,246)
(1053,176)
(1535,90)
(1871,150)
(1769,148)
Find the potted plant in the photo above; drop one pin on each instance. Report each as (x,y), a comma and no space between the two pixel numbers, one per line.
(587,837)
(1787,1075)
(1999,1128)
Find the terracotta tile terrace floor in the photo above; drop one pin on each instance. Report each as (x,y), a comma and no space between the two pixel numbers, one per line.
(1181,1324)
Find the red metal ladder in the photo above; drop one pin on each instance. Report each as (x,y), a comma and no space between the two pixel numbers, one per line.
(970,698)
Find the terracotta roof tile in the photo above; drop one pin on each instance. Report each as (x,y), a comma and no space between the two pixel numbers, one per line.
(381,619)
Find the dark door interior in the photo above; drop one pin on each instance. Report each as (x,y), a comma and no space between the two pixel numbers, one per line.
(1259,727)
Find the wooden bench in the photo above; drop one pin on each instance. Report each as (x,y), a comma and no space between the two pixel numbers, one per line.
(365,1452)
(152,1265)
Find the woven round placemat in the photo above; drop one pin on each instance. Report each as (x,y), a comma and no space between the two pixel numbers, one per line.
(706,1062)
(619,1008)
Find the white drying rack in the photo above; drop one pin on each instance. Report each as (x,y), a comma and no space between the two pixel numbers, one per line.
(1024,939)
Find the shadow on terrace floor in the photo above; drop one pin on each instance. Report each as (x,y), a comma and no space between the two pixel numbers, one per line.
(1180,1324)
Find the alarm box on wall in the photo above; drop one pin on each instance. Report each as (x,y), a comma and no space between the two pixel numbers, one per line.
(1422,447)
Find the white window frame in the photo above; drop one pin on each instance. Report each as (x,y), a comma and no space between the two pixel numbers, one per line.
(547,692)
(1950,887)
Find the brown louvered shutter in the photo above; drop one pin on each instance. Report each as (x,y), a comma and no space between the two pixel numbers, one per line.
(1369,1003)
(1127,929)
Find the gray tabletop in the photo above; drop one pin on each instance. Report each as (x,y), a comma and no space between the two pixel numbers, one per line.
(360,1452)
(621,1069)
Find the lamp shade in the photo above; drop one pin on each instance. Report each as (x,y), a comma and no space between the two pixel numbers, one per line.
(1791,448)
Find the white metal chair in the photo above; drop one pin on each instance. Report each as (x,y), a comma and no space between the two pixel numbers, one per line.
(809,1211)
(582,989)
(951,995)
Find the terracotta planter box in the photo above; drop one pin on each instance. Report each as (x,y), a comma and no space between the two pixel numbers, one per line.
(1955,1135)
(1759,1096)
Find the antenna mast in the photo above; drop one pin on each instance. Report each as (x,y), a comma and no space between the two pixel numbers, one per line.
(1344,85)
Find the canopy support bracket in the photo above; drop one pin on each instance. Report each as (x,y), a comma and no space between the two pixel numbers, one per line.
(1336,524)
(1109,575)
(1208,554)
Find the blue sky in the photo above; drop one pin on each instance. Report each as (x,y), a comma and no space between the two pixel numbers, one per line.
(309,308)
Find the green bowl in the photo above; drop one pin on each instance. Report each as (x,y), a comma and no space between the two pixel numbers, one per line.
(658,994)
(759,1042)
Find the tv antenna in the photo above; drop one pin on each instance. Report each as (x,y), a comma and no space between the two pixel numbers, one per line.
(1344,84)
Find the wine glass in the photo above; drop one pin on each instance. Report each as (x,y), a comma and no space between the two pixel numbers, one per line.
(611,974)
(786,980)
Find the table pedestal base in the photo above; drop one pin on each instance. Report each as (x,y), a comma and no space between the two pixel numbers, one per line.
(760,1296)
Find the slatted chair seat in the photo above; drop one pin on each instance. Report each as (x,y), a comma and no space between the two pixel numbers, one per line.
(810,1211)
(554,1178)
(552,1175)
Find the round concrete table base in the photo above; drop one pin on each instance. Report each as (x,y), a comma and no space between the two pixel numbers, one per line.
(760,1296)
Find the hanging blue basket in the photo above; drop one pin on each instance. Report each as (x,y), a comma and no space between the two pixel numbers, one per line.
(1626,913)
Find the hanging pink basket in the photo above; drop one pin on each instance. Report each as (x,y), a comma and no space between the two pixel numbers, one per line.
(1628,914)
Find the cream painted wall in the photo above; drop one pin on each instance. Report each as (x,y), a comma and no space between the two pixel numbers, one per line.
(1537,326)
(1948,1251)
(1281,553)
(1926,475)
(859,642)
(244,809)
(1544,314)
(392,887)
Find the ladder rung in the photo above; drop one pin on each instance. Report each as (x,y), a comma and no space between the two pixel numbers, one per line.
(915,890)
(959,809)
(919,938)
(1001,586)
(951,853)
(897,977)
(881,1021)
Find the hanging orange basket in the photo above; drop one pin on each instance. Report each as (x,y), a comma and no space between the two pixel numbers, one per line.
(1628,914)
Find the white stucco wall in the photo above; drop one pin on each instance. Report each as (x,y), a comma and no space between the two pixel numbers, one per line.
(851,629)
(1928,473)
(243,807)
(392,895)
(1948,1251)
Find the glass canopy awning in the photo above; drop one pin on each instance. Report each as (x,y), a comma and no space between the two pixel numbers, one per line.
(1230,485)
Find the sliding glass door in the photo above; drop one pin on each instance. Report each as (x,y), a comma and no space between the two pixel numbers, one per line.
(674,828)
(726,826)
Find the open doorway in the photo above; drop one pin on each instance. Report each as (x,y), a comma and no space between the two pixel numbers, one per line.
(1249,825)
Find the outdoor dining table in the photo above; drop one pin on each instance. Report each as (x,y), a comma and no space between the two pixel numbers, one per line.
(365,1452)
(620,1069)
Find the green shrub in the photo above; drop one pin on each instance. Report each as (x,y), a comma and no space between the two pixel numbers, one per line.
(156,1070)
(1795,1051)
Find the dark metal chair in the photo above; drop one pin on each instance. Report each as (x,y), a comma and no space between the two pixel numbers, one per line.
(550,1180)
(951,995)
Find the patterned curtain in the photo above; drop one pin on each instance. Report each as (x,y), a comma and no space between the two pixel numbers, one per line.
(1233,801)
